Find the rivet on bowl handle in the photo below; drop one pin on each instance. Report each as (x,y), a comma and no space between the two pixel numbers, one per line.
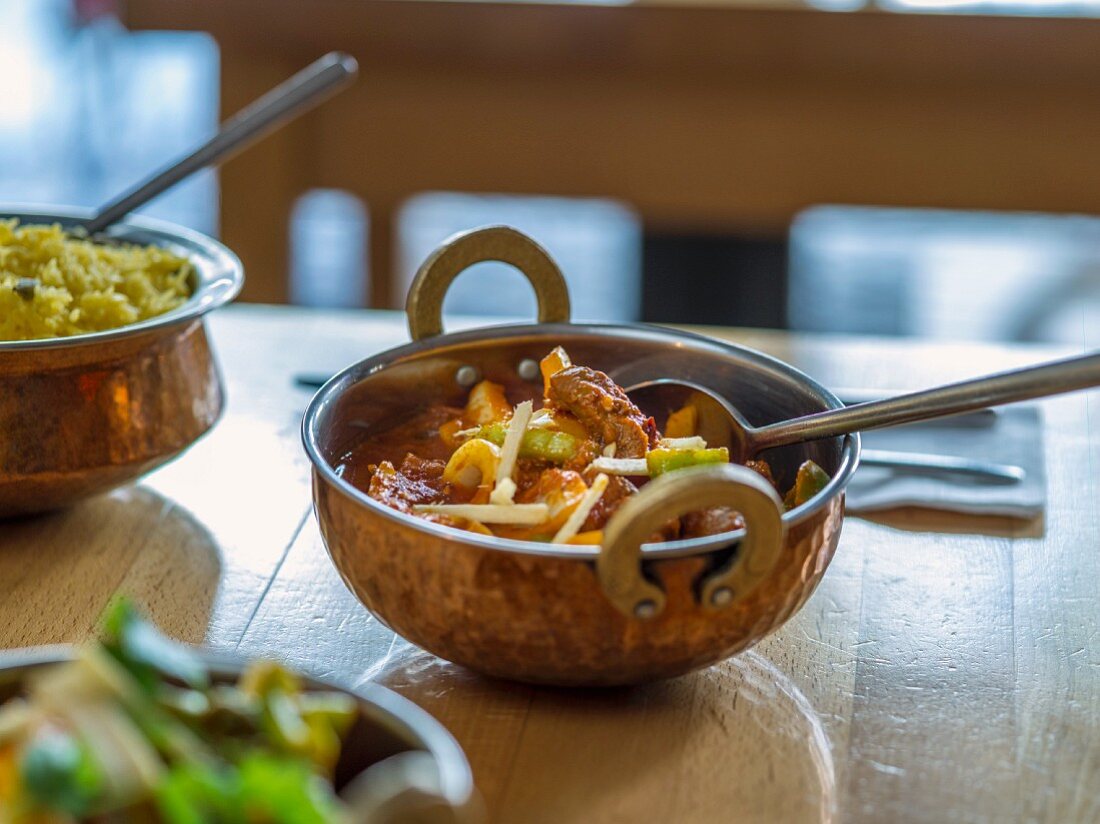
(424,305)
(671,496)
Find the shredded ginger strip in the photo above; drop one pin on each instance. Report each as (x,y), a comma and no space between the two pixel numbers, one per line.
(509,452)
(694,442)
(621,466)
(504,493)
(521,514)
(573,524)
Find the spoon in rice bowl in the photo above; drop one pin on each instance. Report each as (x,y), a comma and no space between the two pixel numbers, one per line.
(309,87)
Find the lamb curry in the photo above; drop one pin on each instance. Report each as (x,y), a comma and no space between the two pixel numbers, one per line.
(556,473)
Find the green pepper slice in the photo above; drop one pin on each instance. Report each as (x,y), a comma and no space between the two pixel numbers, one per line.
(537,444)
(660,461)
(810,480)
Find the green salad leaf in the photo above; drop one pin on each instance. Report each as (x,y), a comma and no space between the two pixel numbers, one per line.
(262,751)
(284,790)
(145,652)
(60,773)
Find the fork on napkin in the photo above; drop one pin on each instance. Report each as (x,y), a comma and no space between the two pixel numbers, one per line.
(1014,436)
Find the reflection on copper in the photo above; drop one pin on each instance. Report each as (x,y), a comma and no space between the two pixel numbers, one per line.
(89,383)
(84,419)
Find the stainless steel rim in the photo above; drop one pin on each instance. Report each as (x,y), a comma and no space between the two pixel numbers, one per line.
(695,546)
(218,271)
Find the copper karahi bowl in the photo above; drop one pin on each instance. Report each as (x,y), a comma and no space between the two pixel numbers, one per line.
(84,414)
(573,615)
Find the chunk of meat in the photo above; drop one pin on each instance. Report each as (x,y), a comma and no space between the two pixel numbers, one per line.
(418,432)
(527,476)
(762,468)
(618,490)
(418,481)
(560,489)
(604,410)
(713,521)
(424,470)
(587,452)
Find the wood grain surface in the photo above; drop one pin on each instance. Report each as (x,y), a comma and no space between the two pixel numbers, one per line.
(947,669)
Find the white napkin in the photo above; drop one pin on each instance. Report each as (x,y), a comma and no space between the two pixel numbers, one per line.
(1015,438)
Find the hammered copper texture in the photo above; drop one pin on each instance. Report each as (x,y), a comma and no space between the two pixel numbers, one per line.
(84,419)
(544,619)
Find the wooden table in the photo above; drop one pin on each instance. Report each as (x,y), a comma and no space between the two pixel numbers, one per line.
(947,669)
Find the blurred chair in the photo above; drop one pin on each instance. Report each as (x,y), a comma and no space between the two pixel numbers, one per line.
(712,118)
(945,274)
(597,244)
(328,250)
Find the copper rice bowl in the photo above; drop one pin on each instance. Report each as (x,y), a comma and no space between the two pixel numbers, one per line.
(83,414)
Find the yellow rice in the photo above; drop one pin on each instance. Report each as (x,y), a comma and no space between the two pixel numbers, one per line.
(53,285)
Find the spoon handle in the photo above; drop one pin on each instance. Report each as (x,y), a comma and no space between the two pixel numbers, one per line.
(1053,378)
(304,90)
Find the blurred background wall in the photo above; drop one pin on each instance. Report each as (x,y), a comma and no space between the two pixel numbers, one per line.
(921,167)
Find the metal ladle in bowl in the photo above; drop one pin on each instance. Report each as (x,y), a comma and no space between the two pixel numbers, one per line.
(720,423)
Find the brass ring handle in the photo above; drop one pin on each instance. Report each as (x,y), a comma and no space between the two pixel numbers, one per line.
(677,493)
(424,305)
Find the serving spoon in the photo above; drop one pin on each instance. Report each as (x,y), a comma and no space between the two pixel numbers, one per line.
(309,87)
(720,422)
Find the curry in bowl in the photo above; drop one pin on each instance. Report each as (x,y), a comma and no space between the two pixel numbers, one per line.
(554,474)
